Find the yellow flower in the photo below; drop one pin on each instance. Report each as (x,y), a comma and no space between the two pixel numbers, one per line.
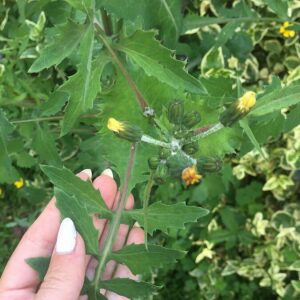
(190,175)
(285,32)
(114,125)
(1,192)
(19,183)
(246,102)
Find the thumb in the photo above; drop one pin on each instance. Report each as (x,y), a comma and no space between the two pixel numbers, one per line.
(66,272)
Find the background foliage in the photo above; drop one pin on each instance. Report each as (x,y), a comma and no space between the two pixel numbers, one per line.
(59,84)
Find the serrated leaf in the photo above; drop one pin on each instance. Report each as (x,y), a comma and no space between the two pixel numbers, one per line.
(161,216)
(40,265)
(157,61)
(71,207)
(65,40)
(139,260)
(8,174)
(65,180)
(129,288)
(44,145)
(24,160)
(85,84)
(276,100)
(225,34)
(55,102)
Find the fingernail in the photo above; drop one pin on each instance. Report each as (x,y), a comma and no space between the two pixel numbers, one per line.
(88,172)
(108,172)
(66,238)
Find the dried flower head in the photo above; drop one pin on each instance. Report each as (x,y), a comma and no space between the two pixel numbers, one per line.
(190,175)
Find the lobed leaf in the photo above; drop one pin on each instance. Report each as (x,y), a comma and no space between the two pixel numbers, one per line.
(140,260)
(162,216)
(157,61)
(71,207)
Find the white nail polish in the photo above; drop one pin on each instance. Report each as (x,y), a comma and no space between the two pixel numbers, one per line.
(66,238)
(88,172)
(108,172)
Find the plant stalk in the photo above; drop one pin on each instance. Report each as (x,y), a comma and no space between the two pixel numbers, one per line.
(140,98)
(208,130)
(114,228)
(106,20)
(150,140)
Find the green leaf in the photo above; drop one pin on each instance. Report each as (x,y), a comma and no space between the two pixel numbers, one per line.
(139,260)
(157,61)
(162,216)
(229,218)
(44,145)
(85,84)
(280,7)
(225,34)
(129,288)
(24,160)
(245,125)
(8,174)
(84,5)
(40,265)
(54,104)
(276,100)
(71,207)
(65,40)
(65,180)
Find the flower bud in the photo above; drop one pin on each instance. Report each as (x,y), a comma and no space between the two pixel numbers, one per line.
(125,130)
(161,173)
(238,109)
(191,148)
(153,162)
(164,153)
(175,112)
(191,119)
(209,164)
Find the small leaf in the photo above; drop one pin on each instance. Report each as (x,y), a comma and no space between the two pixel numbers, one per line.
(65,180)
(129,288)
(44,145)
(71,207)
(157,61)
(40,265)
(162,217)
(55,102)
(66,38)
(139,260)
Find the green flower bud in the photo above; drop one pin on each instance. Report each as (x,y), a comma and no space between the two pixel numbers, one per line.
(164,153)
(191,119)
(153,162)
(125,130)
(175,112)
(238,109)
(209,164)
(191,148)
(176,163)
(161,173)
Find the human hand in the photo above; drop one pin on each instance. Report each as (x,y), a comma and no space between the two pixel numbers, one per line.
(69,263)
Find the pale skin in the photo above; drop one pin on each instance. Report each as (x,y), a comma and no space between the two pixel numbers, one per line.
(66,272)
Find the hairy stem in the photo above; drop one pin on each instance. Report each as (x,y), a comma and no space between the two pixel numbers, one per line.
(140,98)
(147,193)
(205,133)
(150,140)
(114,227)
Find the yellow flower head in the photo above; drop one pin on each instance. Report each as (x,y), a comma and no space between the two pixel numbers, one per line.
(19,183)
(115,126)
(190,175)
(1,192)
(286,32)
(246,102)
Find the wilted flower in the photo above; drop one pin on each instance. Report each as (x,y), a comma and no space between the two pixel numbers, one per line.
(190,175)
(286,32)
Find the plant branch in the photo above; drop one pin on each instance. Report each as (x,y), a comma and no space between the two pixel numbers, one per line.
(150,140)
(206,131)
(147,193)
(140,98)
(114,228)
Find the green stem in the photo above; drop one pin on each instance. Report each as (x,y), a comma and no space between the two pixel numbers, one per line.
(114,228)
(147,193)
(140,98)
(106,20)
(208,130)
(37,120)
(150,140)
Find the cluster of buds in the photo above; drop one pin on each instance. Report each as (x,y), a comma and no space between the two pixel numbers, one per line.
(177,154)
